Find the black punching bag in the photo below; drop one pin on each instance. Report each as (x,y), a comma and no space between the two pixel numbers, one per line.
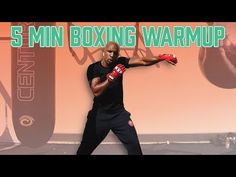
(33,90)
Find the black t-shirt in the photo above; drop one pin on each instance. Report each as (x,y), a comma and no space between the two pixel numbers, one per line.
(111,100)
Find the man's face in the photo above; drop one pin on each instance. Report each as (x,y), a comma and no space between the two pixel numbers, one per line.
(111,53)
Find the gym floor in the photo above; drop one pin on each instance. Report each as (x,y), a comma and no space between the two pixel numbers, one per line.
(166,144)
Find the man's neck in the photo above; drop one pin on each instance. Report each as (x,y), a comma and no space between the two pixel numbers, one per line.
(104,64)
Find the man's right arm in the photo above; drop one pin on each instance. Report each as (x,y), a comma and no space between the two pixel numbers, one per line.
(98,87)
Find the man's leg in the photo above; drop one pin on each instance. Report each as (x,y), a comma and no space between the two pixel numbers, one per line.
(93,135)
(123,128)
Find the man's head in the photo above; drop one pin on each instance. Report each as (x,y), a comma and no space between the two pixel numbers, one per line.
(110,53)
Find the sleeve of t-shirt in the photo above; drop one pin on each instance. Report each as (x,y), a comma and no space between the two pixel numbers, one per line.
(124,61)
(92,72)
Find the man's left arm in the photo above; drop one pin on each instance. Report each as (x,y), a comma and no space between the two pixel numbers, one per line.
(148,61)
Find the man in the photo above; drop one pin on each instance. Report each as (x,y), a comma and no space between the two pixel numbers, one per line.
(108,112)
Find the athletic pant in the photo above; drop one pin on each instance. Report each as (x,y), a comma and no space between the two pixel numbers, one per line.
(98,126)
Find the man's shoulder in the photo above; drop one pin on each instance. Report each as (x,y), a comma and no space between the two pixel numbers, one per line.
(124,61)
(94,64)
(123,58)
(91,66)
(93,70)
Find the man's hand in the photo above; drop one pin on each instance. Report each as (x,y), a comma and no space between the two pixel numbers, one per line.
(117,71)
(170,58)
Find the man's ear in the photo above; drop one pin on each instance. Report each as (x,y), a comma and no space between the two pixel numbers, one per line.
(103,52)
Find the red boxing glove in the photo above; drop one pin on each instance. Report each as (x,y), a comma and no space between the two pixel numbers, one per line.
(170,58)
(117,71)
